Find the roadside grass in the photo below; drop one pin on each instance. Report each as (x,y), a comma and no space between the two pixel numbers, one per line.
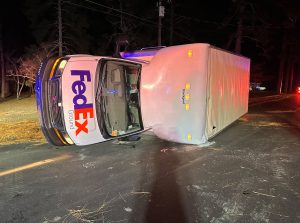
(19,122)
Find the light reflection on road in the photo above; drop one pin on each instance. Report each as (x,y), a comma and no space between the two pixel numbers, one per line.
(35,164)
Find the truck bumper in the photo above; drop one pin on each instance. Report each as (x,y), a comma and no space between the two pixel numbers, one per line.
(52,135)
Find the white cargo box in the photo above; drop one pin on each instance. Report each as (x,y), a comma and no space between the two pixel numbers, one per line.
(189,93)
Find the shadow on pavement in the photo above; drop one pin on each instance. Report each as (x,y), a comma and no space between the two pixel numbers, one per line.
(166,202)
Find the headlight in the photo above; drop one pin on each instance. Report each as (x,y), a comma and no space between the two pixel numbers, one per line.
(58,68)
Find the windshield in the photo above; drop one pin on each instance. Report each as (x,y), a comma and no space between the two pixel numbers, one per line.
(118,98)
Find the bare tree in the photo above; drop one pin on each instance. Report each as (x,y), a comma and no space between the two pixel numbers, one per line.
(23,70)
(19,79)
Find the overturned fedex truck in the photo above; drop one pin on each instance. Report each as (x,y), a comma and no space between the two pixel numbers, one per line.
(185,94)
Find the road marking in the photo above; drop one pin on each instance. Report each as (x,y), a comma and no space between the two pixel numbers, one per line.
(35,164)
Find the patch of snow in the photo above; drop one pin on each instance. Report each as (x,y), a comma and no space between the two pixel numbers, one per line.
(128,209)
(57,218)
(196,187)
(82,156)
(207,144)
(89,165)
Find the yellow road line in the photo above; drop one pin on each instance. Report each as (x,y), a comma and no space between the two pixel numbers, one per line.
(35,164)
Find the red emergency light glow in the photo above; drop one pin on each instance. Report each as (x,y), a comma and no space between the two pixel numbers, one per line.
(298,90)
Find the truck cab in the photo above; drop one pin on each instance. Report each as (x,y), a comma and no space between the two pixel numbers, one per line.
(85,99)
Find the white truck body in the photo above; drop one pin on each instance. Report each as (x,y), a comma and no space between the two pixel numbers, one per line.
(187,93)
(190,93)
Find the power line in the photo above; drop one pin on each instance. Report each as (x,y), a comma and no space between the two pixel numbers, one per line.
(120,11)
(103,12)
(148,22)
(93,9)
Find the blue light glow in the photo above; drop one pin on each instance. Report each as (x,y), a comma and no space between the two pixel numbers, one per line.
(139,54)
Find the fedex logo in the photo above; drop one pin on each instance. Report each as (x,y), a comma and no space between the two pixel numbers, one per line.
(82,109)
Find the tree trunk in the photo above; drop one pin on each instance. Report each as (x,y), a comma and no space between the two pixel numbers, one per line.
(2,64)
(227,46)
(287,75)
(21,88)
(239,32)
(282,65)
(280,75)
(238,41)
(18,87)
(291,74)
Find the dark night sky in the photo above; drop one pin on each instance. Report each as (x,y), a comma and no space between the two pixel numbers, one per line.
(204,18)
(17,27)
(214,22)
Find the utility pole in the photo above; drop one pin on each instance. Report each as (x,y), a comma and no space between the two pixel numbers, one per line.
(161,13)
(60,43)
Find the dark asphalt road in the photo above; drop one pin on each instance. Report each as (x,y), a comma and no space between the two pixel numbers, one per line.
(250,174)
